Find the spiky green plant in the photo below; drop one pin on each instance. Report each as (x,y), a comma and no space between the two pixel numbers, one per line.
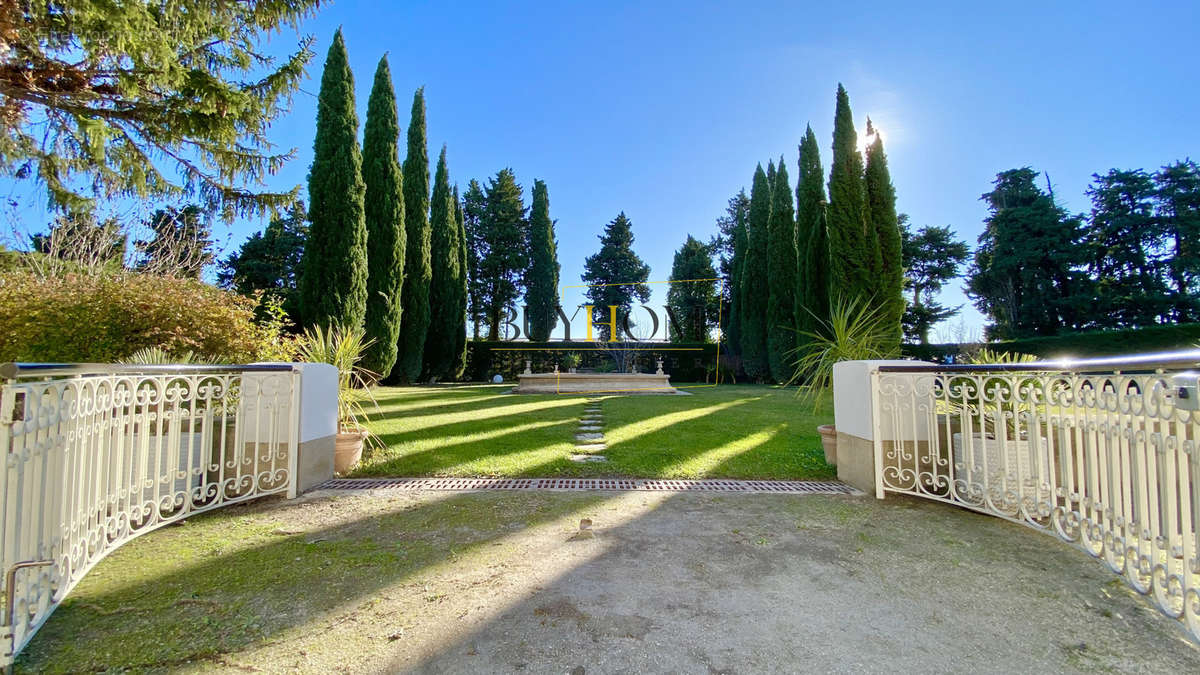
(343,348)
(157,356)
(854,331)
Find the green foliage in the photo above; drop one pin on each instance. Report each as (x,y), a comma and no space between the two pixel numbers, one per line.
(157,356)
(753,291)
(444,292)
(384,217)
(474,207)
(418,273)
(460,335)
(856,331)
(343,348)
(1076,345)
(180,243)
(732,243)
(693,304)
(932,257)
(884,232)
(1025,276)
(333,282)
(985,355)
(812,241)
(617,276)
(781,277)
(107,318)
(97,96)
(541,282)
(849,245)
(268,263)
(503,240)
(1177,207)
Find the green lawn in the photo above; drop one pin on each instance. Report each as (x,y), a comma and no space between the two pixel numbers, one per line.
(731,431)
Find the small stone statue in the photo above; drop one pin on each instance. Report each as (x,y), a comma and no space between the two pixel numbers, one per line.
(556,369)
(528,367)
(659,363)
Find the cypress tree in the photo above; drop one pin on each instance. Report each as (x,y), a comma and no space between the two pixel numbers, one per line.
(884,230)
(417,273)
(444,259)
(384,210)
(781,278)
(541,284)
(771,175)
(753,292)
(503,242)
(812,239)
(460,335)
(736,264)
(849,252)
(333,285)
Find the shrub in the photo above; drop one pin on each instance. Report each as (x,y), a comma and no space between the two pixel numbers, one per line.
(108,318)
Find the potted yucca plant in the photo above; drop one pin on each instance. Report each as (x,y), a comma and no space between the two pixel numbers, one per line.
(344,348)
(855,331)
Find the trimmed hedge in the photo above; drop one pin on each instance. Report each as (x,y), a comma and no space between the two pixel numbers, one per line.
(1094,344)
(101,319)
(486,358)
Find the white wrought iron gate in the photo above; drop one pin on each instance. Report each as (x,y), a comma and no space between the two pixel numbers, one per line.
(1100,453)
(95,455)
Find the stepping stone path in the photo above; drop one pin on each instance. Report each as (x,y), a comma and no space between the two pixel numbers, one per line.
(589,441)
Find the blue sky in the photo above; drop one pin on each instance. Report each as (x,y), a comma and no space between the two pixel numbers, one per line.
(662,109)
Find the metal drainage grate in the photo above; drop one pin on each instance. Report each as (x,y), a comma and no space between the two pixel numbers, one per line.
(793,487)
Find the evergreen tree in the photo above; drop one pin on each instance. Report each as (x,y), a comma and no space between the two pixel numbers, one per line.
(384,207)
(1124,243)
(111,98)
(771,177)
(850,251)
(932,257)
(732,227)
(812,241)
(1178,209)
(441,339)
(414,296)
(504,239)
(269,261)
(1025,276)
(693,303)
(180,243)
(781,278)
(753,292)
(333,284)
(617,276)
(460,335)
(883,231)
(474,206)
(541,282)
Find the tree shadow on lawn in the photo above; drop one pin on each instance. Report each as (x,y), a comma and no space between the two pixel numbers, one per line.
(142,608)
(714,437)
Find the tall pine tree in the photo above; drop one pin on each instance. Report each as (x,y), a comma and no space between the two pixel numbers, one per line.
(733,231)
(812,241)
(441,338)
(474,205)
(417,272)
(693,302)
(460,336)
(781,278)
(1178,208)
(333,283)
(616,276)
(541,281)
(884,231)
(753,292)
(385,223)
(503,239)
(850,251)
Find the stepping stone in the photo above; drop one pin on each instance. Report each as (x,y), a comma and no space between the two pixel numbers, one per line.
(589,427)
(589,437)
(590,447)
(588,458)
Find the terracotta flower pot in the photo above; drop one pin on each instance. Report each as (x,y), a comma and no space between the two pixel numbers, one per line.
(829,442)
(348,450)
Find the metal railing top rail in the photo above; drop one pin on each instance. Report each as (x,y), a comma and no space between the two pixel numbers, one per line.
(12,371)
(1134,362)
